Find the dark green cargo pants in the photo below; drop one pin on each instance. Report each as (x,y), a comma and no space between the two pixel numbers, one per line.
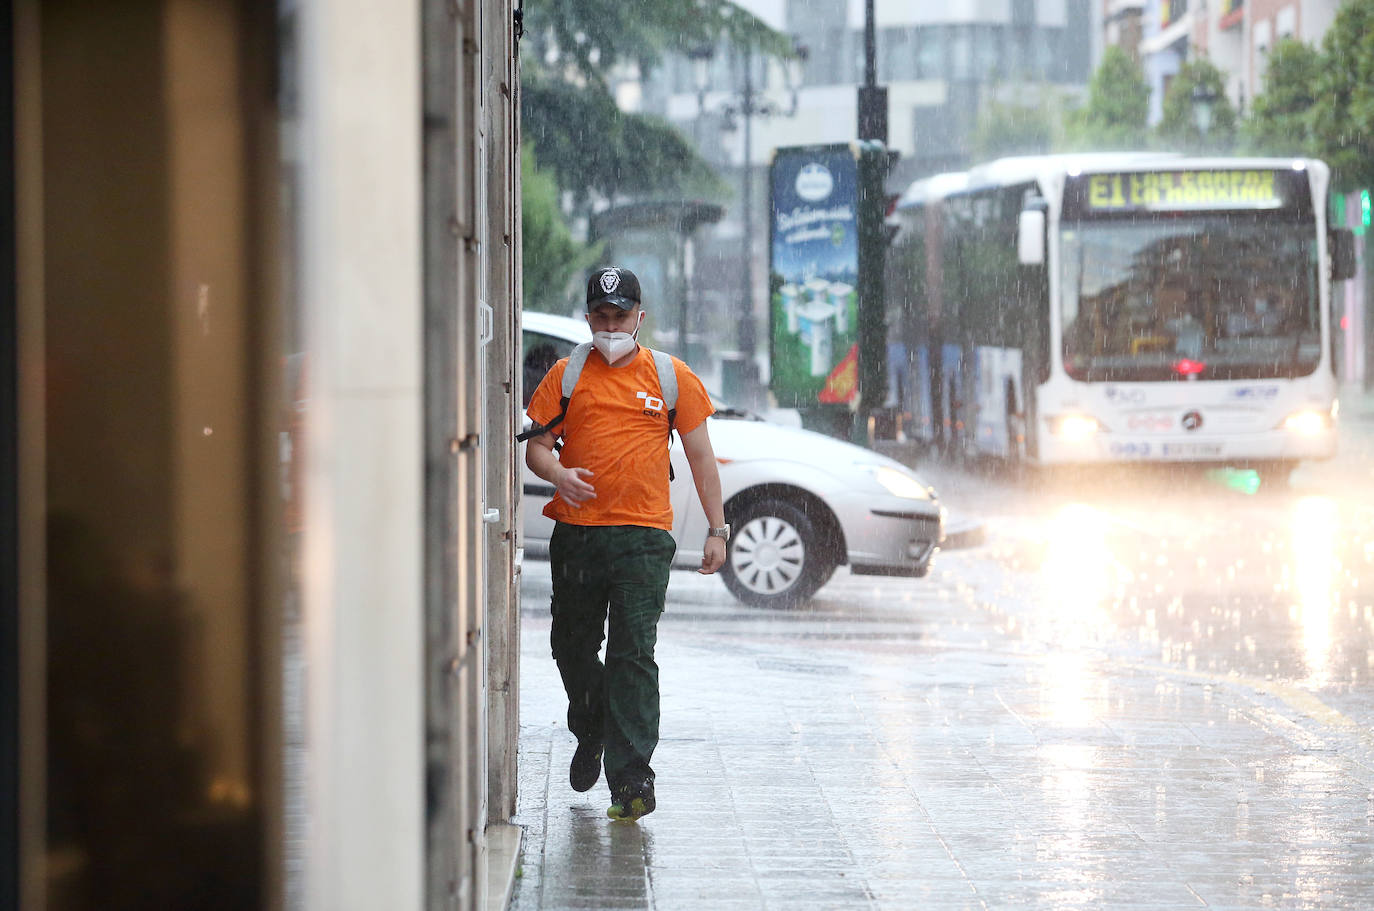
(623,569)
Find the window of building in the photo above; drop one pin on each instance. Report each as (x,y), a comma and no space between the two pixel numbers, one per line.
(987,51)
(960,52)
(897,54)
(930,52)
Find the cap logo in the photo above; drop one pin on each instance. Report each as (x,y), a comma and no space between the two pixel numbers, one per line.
(610,280)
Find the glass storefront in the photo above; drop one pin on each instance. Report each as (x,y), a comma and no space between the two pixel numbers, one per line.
(152,271)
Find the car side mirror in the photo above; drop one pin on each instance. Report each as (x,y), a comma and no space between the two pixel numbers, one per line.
(1030,237)
(1341,242)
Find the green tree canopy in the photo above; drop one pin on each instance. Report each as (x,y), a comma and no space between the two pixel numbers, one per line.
(1179,125)
(1280,121)
(553,261)
(1005,128)
(585,140)
(585,39)
(592,148)
(1343,112)
(1118,109)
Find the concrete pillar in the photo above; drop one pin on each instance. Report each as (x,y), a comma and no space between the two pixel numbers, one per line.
(361,260)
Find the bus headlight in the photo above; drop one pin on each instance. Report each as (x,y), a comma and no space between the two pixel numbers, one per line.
(1307,423)
(1073,427)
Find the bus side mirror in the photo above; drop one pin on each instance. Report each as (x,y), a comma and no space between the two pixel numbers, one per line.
(1030,237)
(1342,244)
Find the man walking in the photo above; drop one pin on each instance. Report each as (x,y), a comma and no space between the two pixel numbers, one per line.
(611,546)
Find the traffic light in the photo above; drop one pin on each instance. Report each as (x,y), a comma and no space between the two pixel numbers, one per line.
(1364,208)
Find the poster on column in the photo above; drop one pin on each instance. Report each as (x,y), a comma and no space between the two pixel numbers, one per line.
(813,273)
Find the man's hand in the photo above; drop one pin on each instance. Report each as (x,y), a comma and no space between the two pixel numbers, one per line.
(573,489)
(712,555)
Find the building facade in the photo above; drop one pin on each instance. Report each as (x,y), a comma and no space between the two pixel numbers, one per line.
(1235,35)
(258,581)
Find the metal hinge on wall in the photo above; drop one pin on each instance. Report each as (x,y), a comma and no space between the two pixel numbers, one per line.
(486,323)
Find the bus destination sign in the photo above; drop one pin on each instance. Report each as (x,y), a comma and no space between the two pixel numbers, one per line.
(1155,191)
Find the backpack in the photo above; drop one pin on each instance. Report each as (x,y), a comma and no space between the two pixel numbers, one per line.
(667,386)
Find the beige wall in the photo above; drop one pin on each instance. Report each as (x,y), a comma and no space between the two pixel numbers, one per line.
(360,269)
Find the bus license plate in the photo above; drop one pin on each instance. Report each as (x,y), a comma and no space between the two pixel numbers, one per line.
(1130,450)
(1191,450)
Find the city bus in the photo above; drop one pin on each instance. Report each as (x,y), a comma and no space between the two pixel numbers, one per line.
(1072,309)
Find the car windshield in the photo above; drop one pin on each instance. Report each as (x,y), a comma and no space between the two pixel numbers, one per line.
(1220,297)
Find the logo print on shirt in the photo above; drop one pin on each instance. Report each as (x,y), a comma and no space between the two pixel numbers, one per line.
(610,280)
(653,405)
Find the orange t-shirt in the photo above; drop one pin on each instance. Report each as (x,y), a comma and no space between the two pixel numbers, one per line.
(617,426)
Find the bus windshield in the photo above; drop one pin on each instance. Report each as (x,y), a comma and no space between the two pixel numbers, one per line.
(1189,297)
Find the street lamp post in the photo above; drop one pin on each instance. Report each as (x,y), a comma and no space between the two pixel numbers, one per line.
(748,110)
(873,170)
(747,105)
(1204,98)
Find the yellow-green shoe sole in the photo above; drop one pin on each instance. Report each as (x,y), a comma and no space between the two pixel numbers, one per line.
(636,809)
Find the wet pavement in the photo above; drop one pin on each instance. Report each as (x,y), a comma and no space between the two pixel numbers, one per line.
(1144,691)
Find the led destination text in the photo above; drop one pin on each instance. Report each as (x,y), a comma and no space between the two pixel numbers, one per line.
(1183,190)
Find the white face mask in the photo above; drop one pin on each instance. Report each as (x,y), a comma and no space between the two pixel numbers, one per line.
(615,345)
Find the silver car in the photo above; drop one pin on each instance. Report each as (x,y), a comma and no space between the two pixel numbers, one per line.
(799,503)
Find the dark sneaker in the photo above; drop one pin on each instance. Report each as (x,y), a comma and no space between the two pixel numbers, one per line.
(632,800)
(586,765)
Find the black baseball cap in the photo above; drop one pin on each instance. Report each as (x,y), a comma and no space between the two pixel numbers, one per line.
(612,285)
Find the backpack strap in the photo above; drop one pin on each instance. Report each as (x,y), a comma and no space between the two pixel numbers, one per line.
(576,361)
(667,383)
(667,390)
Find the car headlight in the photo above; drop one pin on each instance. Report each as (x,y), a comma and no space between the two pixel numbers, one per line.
(1307,423)
(899,483)
(1073,427)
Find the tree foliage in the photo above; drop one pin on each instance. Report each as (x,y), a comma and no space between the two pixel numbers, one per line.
(553,261)
(1005,128)
(1117,114)
(1343,112)
(1280,121)
(585,39)
(1179,125)
(592,147)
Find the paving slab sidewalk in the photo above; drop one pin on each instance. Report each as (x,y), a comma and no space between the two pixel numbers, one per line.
(944,767)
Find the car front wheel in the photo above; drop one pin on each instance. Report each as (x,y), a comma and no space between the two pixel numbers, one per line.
(775,558)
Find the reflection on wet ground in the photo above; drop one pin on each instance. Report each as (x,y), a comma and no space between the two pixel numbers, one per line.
(1205,574)
(1147,690)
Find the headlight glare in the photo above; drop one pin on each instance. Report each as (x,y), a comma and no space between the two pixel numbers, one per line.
(899,483)
(1073,427)
(1307,423)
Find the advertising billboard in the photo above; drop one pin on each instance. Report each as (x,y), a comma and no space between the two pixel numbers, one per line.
(813,274)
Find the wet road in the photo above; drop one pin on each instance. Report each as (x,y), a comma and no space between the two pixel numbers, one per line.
(1145,690)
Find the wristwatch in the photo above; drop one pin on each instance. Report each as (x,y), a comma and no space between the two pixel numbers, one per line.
(723,533)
